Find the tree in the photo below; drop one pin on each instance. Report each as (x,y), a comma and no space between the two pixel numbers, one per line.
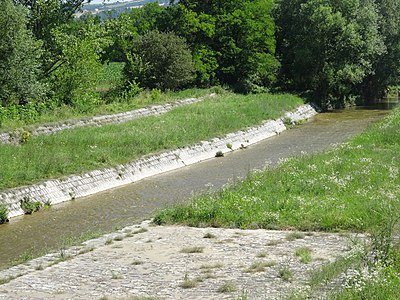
(233,42)
(327,47)
(76,73)
(160,60)
(19,57)
(127,27)
(43,18)
(387,66)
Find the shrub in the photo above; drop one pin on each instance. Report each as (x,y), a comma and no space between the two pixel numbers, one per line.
(160,61)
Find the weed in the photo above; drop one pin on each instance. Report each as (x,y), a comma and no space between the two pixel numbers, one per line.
(211,266)
(39,268)
(137,262)
(285,273)
(22,258)
(229,146)
(273,242)
(195,249)
(141,230)
(116,276)
(259,266)
(209,235)
(294,236)
(109,241)
(3,213)
(85,250)
(29,206)
(189,283)
(6,279)
(304,253)
(25,136)
(227,287)
(219,154)
(118,238)
(261,254)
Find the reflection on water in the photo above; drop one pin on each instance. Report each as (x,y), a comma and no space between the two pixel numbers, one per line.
(123,206)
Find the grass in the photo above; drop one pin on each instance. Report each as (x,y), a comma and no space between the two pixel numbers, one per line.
(84,149)
(227,287)
(304,254)
(294,236)
(260,266)
(352,187)
(285,273)
(195,249)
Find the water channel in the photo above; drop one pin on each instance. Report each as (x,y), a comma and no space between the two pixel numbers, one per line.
(104,212)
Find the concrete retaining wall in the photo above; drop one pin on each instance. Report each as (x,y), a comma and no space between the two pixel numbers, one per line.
(50,128)
(75,186)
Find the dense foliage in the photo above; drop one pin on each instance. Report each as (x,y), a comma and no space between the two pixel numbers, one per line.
(339,52)
(174,70)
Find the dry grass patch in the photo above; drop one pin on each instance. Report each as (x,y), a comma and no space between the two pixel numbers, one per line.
(260,266)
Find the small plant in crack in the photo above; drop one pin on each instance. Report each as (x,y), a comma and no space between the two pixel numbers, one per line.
(209,235)
(260,266)
(285,273)
(294,236)
(195,249)
(227,287)
(304,254)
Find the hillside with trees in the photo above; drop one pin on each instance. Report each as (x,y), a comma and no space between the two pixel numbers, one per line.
(337,53)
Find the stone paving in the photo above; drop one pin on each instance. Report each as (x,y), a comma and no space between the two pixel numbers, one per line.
(143,261)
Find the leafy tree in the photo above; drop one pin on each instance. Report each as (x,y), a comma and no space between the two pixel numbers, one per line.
(43,18)
(128,26)
(19,57)
(387,66)
(232,41)
(77,71)
(328,46)
(160,60)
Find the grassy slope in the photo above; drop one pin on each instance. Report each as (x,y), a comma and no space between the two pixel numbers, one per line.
(83,149)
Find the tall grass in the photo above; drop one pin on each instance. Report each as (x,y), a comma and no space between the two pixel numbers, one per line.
(83,149)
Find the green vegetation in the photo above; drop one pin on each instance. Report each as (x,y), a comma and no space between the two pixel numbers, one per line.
(304,254)
(174,71)
(29,206)
(354,187)
(83,149)
(52,64)
(3,213)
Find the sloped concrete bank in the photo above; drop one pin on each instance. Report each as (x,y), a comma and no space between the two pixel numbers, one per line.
(51,128)
(74,186)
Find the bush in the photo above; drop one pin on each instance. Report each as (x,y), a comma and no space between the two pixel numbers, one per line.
(160,61)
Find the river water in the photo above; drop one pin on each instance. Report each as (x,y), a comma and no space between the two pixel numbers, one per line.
(104,212)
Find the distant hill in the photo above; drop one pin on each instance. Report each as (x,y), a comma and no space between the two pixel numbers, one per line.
(112,10)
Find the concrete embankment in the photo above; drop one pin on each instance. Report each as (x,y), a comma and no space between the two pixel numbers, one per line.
(74,186)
